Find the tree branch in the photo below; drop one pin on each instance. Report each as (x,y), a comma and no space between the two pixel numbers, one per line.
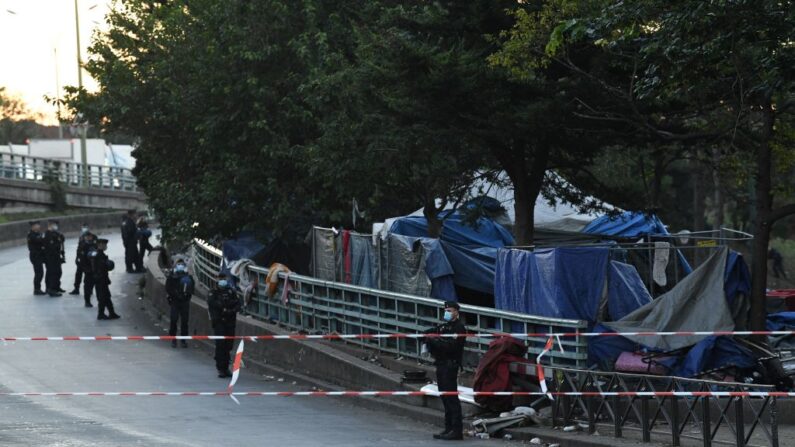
(781,212)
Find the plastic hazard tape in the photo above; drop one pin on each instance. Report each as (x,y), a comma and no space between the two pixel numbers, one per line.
(409,394)
(545,335)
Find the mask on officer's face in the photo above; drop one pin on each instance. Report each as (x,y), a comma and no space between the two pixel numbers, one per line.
(448,316)
(223,283)
(179,268)
(84,230)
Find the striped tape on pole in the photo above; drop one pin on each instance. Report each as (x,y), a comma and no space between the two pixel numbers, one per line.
(236,370)
(544,335)
(760,394)
(542,381)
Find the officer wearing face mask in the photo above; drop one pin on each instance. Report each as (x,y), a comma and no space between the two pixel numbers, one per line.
(447,353)
(223,306)
(179,288)
(81,249)
(54,256)
(36,249)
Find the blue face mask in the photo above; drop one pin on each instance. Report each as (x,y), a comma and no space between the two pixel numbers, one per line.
(84,230)
(448,316)
(179,268)
(223,283)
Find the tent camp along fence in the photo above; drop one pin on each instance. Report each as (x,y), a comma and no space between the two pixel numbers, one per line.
(23,167)
(712,420)
(322,306)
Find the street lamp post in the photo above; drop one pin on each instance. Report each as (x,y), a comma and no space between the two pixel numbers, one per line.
(83,128)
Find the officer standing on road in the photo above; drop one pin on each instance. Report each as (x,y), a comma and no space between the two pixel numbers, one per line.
(179,288)
(100,267)
(81,248)
(84,259)
(128,238)
(447,354)
(142,235)
(54,257)
(223,306)
(36,249)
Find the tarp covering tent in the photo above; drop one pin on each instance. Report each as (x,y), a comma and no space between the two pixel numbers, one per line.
(625,291)
(470,249)
(697,303)
(404,264)
(627,224)
(566,282)
(246,245)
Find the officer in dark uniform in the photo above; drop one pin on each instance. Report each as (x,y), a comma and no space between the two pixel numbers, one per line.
(36,249)
(54,257)
(84,259)
(81,248)
(447,354)
(130,241)
(100,267)
(179,289)
(224,305)
(142,235)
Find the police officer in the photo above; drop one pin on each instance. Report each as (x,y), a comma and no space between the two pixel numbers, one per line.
(36,249)
(100,267)
(223,305)
(81,248)
(84,258)
(179,288)
(447,354)
(128,238)
(54,256)
(142,235)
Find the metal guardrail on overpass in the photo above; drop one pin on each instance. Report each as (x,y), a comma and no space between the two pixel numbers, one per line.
(23,167)
(329,307)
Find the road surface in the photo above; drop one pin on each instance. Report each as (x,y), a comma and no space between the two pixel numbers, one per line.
(150,366)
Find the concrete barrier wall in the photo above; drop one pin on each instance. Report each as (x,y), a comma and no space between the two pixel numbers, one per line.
(15,233)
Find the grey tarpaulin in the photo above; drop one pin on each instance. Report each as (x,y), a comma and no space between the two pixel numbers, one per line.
(697,303)
(325,263)
(363,260)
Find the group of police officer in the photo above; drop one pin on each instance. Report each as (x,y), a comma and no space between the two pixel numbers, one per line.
(93,266)
(47,252)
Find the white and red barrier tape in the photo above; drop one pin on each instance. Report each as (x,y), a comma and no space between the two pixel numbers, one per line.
(545,335)
(410,393)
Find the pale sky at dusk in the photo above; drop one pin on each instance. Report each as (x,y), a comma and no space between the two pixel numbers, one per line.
(28,39)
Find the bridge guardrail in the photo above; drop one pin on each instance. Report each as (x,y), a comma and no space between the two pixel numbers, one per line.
(317,305)
(23,167)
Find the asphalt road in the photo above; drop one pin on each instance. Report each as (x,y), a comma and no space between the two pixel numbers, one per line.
(151,366)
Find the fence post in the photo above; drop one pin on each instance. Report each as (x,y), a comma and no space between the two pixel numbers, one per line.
(773,422)
(739,421)
(706,424)
(617,420)
(644,418)
(590,403)
(675,421)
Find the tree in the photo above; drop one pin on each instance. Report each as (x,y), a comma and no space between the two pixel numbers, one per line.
(17,122)
(719,74)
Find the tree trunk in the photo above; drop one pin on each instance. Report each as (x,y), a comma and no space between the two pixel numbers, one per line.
(526,188)
(431,214)
(698,196)
(762,223)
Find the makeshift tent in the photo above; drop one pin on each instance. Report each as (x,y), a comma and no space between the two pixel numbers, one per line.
(566,282)
(247,246)
(471,249)
(625,291)
(405,264)
(628,224)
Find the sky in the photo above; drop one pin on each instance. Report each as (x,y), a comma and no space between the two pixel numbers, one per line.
(31,32)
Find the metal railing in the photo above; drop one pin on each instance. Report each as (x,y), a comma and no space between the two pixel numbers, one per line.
(736,420)
(23,167)
(321,306)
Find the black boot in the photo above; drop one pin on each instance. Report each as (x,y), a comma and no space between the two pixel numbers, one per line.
(39,292)
(114,316)
(184,344)
(452,436)
(75,292)
(440,434)
(102,317)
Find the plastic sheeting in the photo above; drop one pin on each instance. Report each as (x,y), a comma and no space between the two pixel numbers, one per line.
(625,291)
(329,257)
(737,286)
(415,265)
(697,303)
(712,353)
(553,282)
(470,249)
(627,224)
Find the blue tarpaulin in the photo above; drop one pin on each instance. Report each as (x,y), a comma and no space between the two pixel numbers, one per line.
(552,282)
(435,266)
(626,224)
(471,249)
(737,277)
(625,291)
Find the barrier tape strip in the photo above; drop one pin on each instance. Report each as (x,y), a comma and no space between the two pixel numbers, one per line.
(409,393)
(236,371)
(542,381)
(544,335)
